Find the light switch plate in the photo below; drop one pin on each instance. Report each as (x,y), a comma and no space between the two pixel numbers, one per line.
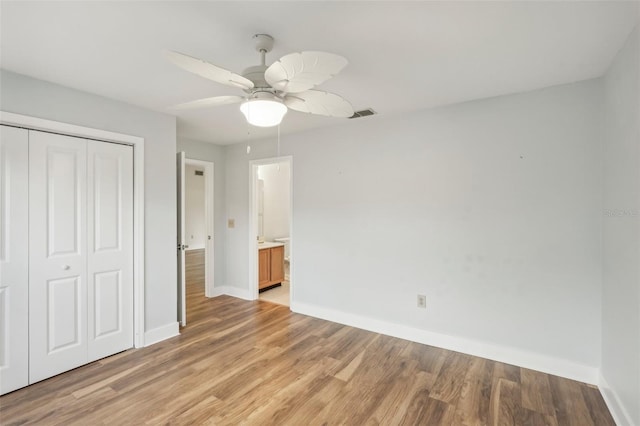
(422,301)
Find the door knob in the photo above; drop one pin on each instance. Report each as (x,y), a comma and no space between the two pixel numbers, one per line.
(66,267)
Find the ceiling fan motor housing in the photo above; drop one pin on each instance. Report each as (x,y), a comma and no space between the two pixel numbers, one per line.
(263,45)
(256,75)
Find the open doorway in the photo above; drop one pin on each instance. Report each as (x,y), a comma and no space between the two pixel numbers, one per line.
(271,238)
(195,232)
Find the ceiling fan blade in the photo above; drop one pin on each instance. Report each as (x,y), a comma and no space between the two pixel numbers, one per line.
(300,71)
(320,103)
(209,102)
(209,71)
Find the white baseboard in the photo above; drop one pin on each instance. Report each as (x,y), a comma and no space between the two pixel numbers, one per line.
(518,357)
(238,292)
(161,333)
(620,414)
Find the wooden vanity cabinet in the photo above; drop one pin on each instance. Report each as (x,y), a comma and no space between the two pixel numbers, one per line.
(270,266)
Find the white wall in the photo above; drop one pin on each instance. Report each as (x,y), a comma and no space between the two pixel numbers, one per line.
(24,95)
(490,208)
(276,199)
(621,286)
(214,153)
(194,201)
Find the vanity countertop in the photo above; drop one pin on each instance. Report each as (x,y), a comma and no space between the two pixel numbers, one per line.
(268,244)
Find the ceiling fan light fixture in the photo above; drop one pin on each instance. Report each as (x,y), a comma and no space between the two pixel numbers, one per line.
(263,112)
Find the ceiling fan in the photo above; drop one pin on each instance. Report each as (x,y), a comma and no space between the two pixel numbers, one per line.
(271,90)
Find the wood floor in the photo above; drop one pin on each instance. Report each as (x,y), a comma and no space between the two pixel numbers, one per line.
(256,363)
(194,269)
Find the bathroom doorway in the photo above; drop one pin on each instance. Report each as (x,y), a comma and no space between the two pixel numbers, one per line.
(270,235)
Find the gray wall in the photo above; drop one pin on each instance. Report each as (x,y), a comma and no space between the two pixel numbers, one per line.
(24,95)
(621,287)
(195,223)
(492,209)
(237,203)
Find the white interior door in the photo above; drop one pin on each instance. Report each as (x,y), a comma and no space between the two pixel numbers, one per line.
(182,297)
(14,258)
(110,248)
(57,254)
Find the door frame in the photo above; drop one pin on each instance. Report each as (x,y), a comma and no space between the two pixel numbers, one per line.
(181,165)
(34,123)
(209,206)
(180,249)
(253,223)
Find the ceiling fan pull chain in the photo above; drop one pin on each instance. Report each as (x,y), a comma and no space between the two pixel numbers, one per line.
(248,136)
(278,147)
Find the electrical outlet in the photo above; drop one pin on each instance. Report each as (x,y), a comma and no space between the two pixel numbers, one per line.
(422,301)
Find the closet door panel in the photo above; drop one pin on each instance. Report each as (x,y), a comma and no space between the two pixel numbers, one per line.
(14,258)
(110,245)
(57,254)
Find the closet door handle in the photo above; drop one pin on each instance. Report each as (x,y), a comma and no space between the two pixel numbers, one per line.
(66,267)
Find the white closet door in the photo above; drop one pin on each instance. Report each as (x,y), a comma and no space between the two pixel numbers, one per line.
(14,258)
(57,254)
(110,248)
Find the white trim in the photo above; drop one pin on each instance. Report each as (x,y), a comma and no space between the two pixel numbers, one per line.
(531,360)
(50,126)
(35,123)
(138,244)
(241,293)
(161,333)
(253,222)
(620,414)
(209,209)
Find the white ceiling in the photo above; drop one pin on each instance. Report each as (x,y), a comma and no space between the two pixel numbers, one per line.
(403,56)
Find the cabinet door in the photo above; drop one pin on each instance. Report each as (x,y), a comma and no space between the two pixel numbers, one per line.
(57,254)
(110,248)
(277,264)
(14,258)
(264,267)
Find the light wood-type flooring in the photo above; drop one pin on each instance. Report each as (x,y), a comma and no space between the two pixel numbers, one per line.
(194,268)
(256,363)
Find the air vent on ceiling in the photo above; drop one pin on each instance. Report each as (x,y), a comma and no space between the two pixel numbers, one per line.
(199,173)
(363,113)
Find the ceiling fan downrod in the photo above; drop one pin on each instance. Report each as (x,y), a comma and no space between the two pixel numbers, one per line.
(263,44)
